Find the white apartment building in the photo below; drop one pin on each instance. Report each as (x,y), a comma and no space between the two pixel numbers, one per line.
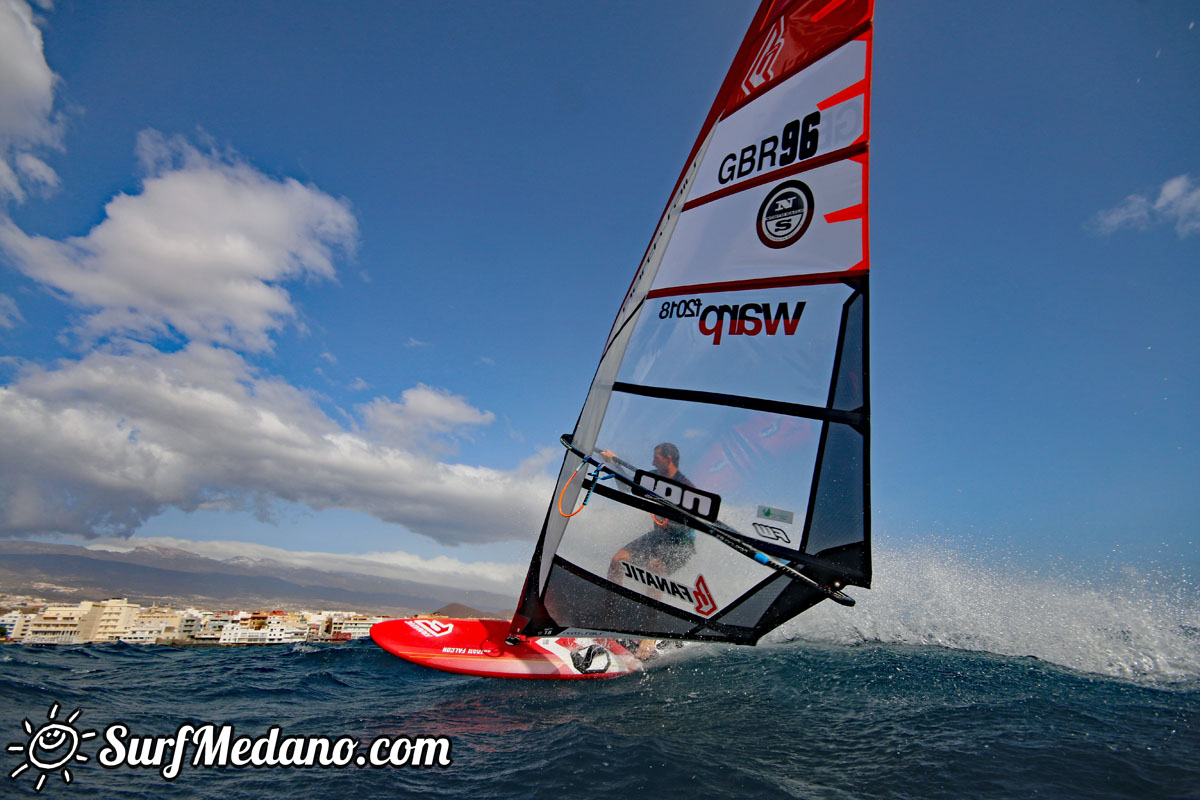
(17,623)
(63,624)
(351,626)
(192,622)
(153,625)
(214,625)
(118,619)
(87,621)
(276,631)
(117,616)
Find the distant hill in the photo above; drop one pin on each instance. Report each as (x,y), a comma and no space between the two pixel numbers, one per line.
(146,575)
(459,611)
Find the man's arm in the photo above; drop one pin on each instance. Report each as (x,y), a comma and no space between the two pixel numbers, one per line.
(609,455)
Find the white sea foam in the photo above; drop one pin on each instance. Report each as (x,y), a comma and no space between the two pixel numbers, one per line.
(1134,624)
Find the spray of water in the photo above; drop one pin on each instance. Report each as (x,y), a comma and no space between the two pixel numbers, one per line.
(1132,624)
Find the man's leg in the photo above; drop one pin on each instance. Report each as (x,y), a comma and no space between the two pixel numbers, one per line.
(647,646)
(616,574)
(614,567)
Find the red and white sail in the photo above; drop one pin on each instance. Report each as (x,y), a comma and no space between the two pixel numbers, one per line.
(742,342)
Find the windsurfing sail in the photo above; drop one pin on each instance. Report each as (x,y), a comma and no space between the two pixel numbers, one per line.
(723,446)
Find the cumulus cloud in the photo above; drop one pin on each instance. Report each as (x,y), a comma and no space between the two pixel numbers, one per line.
(97,446)
(1178,203)
(27,119)
(200,253)
(177,286)
(424,417)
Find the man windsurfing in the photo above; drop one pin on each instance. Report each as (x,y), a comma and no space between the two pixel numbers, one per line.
(669,545)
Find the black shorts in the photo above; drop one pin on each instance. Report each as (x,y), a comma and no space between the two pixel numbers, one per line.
(671,545)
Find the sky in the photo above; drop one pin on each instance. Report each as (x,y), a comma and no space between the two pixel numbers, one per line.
(325,282)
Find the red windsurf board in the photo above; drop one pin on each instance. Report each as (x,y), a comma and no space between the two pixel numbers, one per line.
(478,647)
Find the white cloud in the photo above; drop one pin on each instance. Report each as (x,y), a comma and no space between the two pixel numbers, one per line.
(27,118)
(424,417)
(1134,212)
(10,315)
(358,385)
(1178,203)
(200,252)
(97,446)
(199,256)
(36,171)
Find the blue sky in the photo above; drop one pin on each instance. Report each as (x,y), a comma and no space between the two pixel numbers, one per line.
(327,278)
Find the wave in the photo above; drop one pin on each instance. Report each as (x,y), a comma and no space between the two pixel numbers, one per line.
(1132,625)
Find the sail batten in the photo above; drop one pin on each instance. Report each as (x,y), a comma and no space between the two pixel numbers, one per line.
(779,282)
(727,427)
(853,418)
(779,174)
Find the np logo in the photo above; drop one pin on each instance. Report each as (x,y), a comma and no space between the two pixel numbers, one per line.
(785,214)
(771,532)
(590,659)
(689,498)
(430,627)
(763,68)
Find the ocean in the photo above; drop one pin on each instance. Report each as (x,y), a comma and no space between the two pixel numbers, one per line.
(947,681)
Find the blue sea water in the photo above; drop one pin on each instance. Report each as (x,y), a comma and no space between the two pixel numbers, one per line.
(972,687)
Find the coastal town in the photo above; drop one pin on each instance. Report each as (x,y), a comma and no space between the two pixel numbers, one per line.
(33,621)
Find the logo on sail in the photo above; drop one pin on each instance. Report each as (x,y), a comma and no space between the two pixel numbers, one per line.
(689,498)
(705,604)
(699,596)
(749,319)
(785,214)
(771,532)
(430,627)
(763,67)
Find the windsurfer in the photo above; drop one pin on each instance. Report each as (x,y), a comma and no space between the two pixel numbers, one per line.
(669,545)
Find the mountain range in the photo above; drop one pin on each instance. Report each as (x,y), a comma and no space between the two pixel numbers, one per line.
(166,576)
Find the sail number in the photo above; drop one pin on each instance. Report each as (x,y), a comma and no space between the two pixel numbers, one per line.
(680,309)
(796,142)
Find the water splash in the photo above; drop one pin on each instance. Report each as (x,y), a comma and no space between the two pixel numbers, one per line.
(1133,625)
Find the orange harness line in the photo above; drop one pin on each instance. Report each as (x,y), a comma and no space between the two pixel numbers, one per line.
(564,491)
